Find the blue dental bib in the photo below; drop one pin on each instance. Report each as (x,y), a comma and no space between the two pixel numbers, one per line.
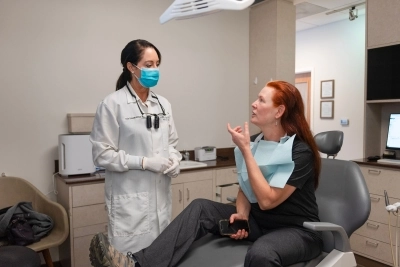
(274,159)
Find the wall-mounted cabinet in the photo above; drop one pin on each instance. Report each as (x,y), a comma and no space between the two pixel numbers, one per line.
(383,22)
(382,31)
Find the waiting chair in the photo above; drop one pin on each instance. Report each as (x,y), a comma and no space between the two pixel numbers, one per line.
(344,206)
(14,190)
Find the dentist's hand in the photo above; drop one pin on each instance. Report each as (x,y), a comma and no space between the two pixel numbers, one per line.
(156,164)
(174,170)
(240,137)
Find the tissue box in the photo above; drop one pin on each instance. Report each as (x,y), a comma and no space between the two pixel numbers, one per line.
(205,153)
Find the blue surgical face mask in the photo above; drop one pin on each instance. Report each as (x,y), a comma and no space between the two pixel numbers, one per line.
(149,77)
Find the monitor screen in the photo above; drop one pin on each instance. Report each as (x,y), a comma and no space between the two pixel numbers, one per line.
(393,137)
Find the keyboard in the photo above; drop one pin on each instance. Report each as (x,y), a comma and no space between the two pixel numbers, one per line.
(389,161)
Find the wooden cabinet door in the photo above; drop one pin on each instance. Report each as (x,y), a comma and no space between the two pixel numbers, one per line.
(177,199)
(197,189)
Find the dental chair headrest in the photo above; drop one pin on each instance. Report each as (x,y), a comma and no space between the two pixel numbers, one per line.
(329,142)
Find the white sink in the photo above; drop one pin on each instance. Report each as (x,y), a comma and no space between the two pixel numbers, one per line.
(190,164)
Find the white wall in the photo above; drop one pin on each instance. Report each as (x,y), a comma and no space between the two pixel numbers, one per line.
(337,51)
(60,57)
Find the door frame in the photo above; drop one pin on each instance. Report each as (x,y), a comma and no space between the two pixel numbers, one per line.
(311,71)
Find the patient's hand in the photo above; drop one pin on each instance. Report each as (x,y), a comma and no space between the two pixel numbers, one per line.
(241,233)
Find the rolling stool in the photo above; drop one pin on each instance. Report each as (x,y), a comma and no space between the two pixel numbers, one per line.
(18,256)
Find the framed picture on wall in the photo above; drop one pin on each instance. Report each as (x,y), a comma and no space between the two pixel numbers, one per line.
(327,89)
(327,109)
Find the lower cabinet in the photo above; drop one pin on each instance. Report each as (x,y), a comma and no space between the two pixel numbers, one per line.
(226,184)
(372,240)
(84,203)
(188,186)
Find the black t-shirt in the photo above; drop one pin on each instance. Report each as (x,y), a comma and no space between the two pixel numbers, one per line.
(301,205)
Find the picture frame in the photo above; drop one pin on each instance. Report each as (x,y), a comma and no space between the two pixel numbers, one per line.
(327,109)
(327,89)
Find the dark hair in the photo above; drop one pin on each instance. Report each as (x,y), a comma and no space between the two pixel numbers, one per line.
(133,52)
(293,120)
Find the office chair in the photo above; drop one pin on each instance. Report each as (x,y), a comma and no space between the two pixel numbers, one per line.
(344,206)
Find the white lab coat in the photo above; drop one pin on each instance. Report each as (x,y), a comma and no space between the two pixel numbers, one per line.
(138,201)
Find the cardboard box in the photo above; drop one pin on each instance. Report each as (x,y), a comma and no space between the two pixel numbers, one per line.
(80,122)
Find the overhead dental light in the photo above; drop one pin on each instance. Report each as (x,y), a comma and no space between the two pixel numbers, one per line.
(186,9)
(353,15)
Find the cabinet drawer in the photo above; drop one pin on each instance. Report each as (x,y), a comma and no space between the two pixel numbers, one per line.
(380,179)
(223,192)
(90,230)
(378,209)
(226,176)
(371,248)
(89,215)
(376,230)
(193,176)
(89,194)
(81,251)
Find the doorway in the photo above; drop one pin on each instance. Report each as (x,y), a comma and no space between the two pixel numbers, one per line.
(303,83)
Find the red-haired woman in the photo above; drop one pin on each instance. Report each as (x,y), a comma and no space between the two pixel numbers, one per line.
(278,173)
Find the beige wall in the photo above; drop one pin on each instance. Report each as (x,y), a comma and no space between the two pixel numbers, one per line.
(272,46)
(60,57)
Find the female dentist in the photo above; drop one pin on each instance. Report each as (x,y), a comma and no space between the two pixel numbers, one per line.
(134,139)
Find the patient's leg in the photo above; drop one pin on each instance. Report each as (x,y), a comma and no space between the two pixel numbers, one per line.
(198,219)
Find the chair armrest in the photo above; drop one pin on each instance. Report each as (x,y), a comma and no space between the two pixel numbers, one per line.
(341,239)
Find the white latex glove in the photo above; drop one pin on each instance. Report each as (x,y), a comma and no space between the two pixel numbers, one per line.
(173,170)
(156,164)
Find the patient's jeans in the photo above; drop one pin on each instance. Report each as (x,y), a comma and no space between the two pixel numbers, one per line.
(279,247)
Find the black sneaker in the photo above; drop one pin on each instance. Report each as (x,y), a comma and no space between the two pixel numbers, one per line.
(102,254)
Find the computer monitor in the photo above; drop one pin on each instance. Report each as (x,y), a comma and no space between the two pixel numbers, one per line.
(393,136)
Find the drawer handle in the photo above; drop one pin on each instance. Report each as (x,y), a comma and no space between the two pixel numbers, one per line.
(375,198)
(374,244)
(234,171)
(376,172)
(376,226)
(106,228)
(187,190)
(180,196)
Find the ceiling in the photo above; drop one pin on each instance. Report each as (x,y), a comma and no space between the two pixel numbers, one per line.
(312,13)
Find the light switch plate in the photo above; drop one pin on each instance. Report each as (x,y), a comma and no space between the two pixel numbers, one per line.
(344,121)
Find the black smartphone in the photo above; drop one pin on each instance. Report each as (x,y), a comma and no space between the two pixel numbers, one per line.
(226,228)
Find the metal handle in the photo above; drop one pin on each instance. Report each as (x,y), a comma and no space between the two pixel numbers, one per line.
(234,171)
(374,244)
(375,198)
(187,189)
(180,195)
(106,228)
(373,225)
(372,171)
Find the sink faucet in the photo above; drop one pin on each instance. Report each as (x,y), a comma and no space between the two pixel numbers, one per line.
(185,154)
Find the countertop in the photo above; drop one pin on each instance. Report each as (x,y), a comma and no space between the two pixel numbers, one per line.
(374,163)
(225,158)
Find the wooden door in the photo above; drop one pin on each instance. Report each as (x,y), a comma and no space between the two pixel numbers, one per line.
(303,83)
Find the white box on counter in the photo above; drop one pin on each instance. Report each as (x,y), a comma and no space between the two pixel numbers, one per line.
(205,153)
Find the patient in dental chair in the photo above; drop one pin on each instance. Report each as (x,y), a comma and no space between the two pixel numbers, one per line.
(278,172)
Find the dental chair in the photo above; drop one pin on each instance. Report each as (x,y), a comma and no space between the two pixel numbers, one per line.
(344,206)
